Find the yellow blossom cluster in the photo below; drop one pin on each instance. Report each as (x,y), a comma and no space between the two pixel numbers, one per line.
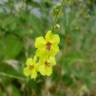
(44,59)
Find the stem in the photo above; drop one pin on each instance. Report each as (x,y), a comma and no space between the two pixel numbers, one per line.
(57,16)
(11,76)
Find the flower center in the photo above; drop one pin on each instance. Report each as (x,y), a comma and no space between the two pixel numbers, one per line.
(47,63)
(31,67)
(48,46)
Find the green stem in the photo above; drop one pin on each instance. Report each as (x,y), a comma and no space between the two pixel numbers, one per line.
(11,76)
(57,16)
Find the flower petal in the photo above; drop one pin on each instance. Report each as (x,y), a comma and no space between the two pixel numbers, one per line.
(54,50)
(29,61)
(48,35)
(26,71)
(39,42)
(54,38)
(52,61)
(34,75)
(42,69)
(48,71)
(42,53)
(45,70)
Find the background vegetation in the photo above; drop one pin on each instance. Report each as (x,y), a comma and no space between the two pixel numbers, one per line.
(21,21)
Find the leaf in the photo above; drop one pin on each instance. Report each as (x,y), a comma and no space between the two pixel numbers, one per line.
(16,91)
(9,71)
(70,59)
(10,46)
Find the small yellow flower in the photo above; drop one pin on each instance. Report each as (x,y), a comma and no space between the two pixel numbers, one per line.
(46,66)
(44,58)
(47,46)
(31,68)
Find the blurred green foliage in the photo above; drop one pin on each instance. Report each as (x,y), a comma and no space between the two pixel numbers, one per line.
(21,21)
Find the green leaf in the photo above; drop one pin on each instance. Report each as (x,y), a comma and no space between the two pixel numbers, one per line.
(8,71)
(16,91)
(10,46)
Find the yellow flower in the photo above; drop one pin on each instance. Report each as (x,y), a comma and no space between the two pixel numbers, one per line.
(44,59)
(46,66)
(47,46)
(31,68)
